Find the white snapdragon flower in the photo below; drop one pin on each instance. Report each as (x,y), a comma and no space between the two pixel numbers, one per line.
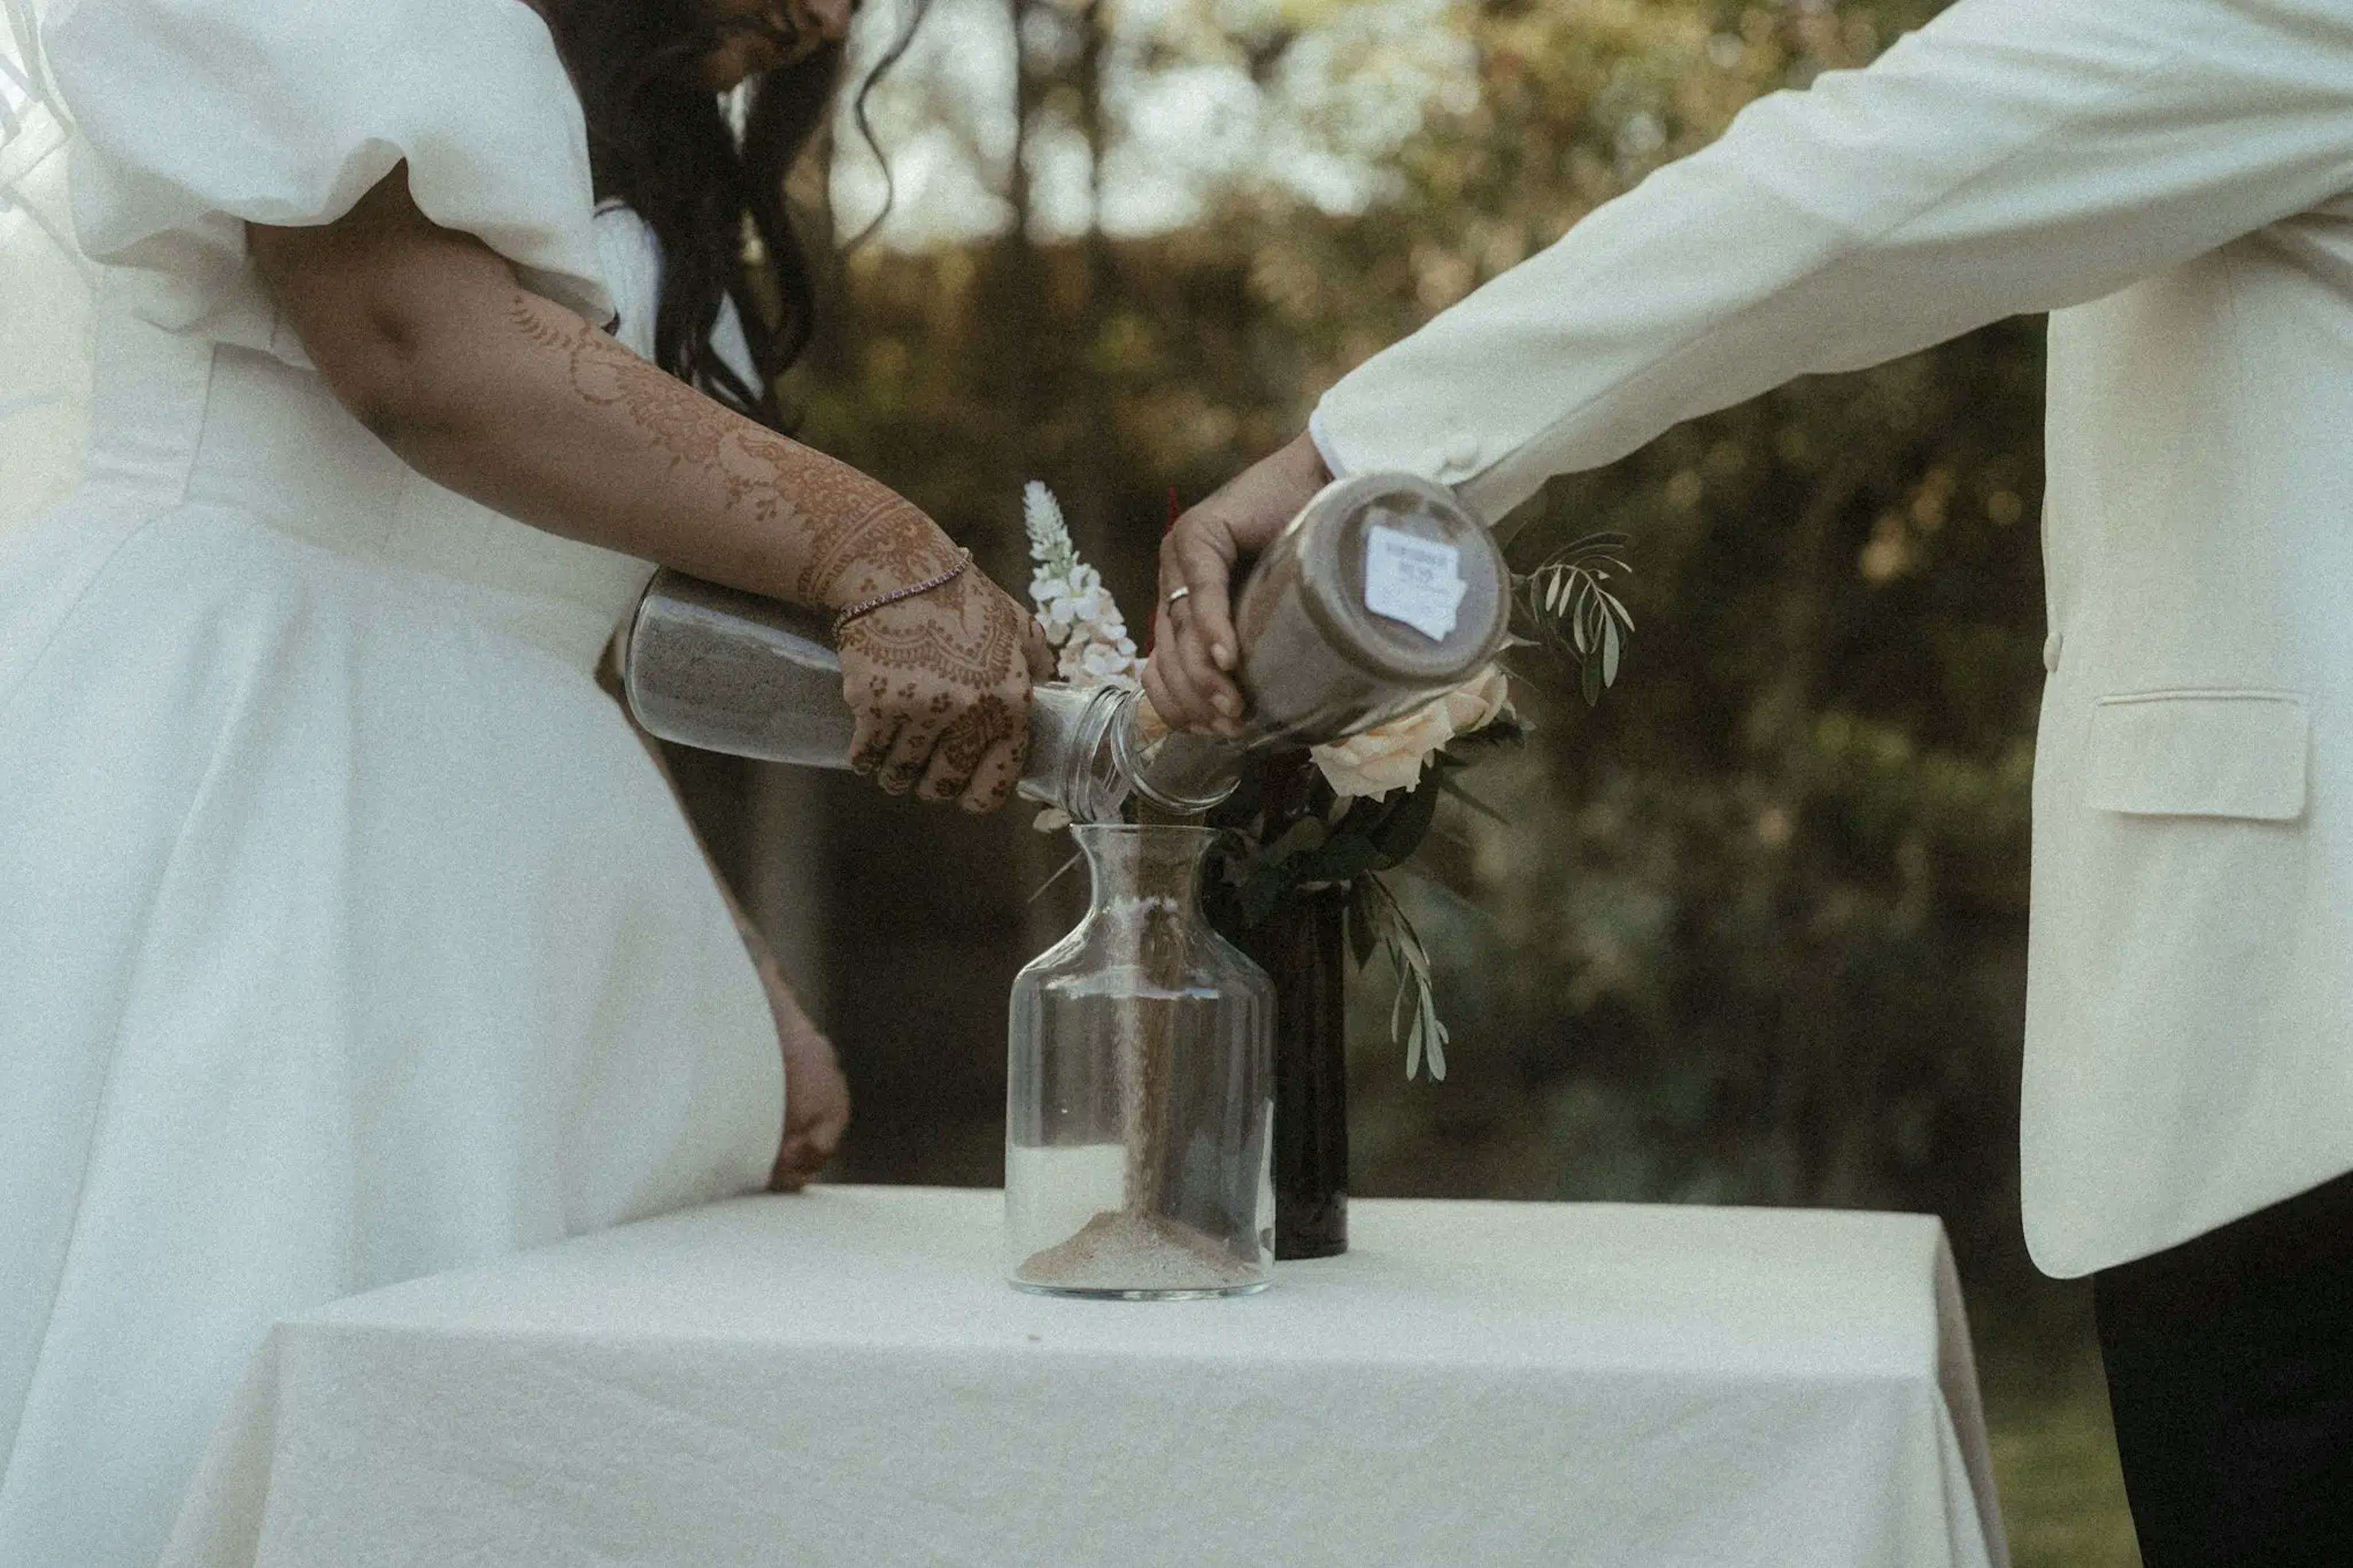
(1081,601)
(1098,662)
(1046,593)
(1075,609)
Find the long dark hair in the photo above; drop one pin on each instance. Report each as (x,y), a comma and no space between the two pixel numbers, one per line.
(663,145)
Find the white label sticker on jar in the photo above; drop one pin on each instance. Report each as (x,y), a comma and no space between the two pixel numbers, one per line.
(1417,581)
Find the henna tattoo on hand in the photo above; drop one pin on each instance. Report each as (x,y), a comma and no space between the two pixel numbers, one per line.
(989,791)
(965,634)
(950,662)
(969,740)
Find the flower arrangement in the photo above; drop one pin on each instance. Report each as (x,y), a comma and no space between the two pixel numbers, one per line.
(1344,814)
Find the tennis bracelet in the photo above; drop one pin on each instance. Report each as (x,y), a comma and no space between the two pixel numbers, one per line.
(868,607)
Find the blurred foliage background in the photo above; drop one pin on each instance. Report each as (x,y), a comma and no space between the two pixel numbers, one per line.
(1755,930)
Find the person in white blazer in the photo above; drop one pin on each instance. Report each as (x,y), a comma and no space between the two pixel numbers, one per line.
(2172,180)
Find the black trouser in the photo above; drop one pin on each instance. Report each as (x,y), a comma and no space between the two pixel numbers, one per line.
(2230,1363)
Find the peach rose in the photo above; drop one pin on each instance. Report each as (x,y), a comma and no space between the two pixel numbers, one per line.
(1390,756)
(1474,704)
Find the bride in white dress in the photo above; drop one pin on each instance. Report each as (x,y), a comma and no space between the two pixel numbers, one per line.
(350,934)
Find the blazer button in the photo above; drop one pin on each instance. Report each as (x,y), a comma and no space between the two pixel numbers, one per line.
(2051,646)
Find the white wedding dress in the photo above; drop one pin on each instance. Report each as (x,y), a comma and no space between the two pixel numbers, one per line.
(347,933)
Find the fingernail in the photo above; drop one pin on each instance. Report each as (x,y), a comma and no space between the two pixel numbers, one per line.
(1223,655)
(1226,705)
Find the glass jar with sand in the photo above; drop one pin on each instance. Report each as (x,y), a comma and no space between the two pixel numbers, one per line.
(1383,593)
(1140,1090)
(723,670)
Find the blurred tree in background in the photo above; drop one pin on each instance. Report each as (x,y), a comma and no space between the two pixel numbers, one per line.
(1754,932)
(1755,929)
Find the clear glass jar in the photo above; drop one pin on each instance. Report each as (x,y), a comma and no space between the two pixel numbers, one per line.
(723,670)
(1140,1090)
(1092,751)
(1383,593)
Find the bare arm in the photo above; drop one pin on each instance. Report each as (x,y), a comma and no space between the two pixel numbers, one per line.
(501,396)
(816,1095)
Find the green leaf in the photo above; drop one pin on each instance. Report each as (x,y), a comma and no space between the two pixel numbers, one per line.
(1507,729)
(1060,872)
(1414,951)
(1428,1035)
(1345,861)
(1301,838)
(1397,1002)
(1362,922)
(1258,896)
(1472,801)
(1402,833)
(1424,1032)
(1516,523)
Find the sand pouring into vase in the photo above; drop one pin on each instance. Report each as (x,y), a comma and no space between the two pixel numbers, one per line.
(1140,1082)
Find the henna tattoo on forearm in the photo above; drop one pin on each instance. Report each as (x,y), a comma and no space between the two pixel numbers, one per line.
(937,677)
(856,537)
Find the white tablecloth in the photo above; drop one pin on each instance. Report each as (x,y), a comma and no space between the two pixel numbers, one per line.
(841,1378)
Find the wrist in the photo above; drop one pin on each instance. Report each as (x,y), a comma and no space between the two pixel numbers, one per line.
(908,591)
(892,546)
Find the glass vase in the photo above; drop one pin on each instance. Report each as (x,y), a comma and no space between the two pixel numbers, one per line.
(1303,946)
(1139,1090)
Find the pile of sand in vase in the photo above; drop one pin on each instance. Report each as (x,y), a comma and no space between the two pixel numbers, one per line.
(1122,1250)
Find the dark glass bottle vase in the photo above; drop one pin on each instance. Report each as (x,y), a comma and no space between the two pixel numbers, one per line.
(1303,946)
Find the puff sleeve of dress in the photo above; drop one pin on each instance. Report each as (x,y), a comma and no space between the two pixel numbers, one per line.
(196,117)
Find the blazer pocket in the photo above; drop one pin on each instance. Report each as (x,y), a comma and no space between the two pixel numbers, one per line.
(2200,754)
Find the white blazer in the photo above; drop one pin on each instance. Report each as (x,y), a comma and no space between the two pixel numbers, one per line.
(2170,179)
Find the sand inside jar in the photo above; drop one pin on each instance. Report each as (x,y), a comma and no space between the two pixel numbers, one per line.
(1127,1251)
